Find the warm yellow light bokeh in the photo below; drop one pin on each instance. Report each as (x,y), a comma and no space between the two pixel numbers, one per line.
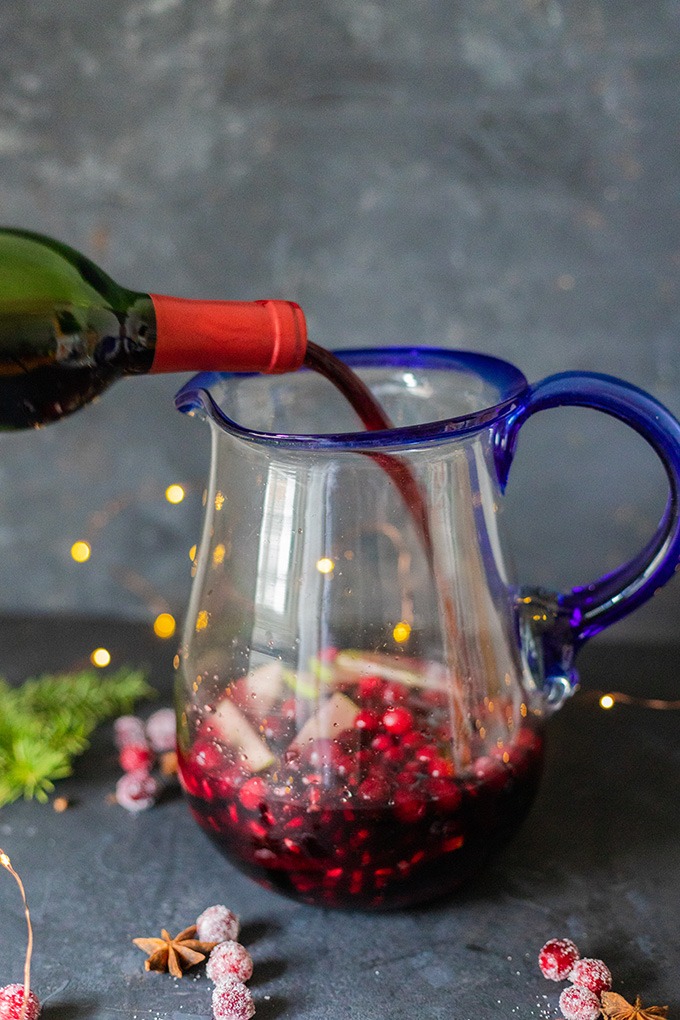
(606,701)
(401,632)
(81,551)
(164,625)
(325,565)
(100,657)
(175,493)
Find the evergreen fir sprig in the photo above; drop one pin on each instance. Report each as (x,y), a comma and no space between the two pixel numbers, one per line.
(48,720)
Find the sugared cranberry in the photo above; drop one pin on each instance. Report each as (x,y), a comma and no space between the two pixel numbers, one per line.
(231,1000)
(11,1001)
(592,974)
(229,959)
(579,1003)
(253,793)
(128,729)
(160,729)
(136,791)
(397,720)
(556,959)
(217,924)
(135,757)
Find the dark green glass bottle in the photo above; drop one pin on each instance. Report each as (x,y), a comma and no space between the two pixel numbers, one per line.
(67,331)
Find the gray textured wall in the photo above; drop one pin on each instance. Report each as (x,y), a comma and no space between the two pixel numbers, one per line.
(495,175)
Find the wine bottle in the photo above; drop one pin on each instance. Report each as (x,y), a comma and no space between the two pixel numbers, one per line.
(67,331)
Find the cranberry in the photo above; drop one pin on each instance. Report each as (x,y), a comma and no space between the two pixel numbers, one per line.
(394,693)
(288,709)
(367,720)
(556,959)
(440,767)
(491,772)
(253,792)
(408,807)
(374,789)
(592,974)
(381,742)
(232,1000)
(207,756)
(133,757)
(411,740)
(397,720)
(12,1000)
(578,1003)
(128,729)
(273,728)
(217,924)
(136,791)
(446,792)
(229,959)
(160,729)
(370,687)
(394,755)
(427,752)
(319,752)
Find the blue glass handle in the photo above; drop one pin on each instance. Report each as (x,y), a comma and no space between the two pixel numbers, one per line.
(589,609)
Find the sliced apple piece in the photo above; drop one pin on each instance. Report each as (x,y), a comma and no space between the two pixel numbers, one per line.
(333,716)
(262,686)
(355,663)
(232,728)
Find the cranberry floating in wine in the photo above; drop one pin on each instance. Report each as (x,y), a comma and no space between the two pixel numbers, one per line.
(363,686)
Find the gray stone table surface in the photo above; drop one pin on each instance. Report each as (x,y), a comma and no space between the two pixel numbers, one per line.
(597,860)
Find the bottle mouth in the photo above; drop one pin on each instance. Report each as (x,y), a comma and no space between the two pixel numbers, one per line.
(431,394)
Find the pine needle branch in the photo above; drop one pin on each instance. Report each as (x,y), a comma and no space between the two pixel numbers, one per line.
(48,720)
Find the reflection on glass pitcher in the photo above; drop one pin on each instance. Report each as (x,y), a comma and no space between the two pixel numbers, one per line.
(362,686)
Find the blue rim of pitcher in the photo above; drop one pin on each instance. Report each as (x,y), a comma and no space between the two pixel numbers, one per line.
(195,398)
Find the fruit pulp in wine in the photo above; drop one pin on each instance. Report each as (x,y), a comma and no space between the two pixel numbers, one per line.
(359,801)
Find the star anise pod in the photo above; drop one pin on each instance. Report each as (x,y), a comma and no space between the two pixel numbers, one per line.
(615,1007)
(175,955)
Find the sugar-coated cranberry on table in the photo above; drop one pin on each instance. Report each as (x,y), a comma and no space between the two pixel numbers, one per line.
(11,1001)
(217,924)
(557,958)
(578,1003)
(592,974)
(137,791)
(227,960)
(232,1000)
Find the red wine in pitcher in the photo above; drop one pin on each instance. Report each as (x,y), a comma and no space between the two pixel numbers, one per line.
(377,814)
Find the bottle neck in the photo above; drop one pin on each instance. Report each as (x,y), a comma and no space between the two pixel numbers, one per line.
(227,336)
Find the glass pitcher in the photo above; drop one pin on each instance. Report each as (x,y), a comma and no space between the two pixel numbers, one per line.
(362,686)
